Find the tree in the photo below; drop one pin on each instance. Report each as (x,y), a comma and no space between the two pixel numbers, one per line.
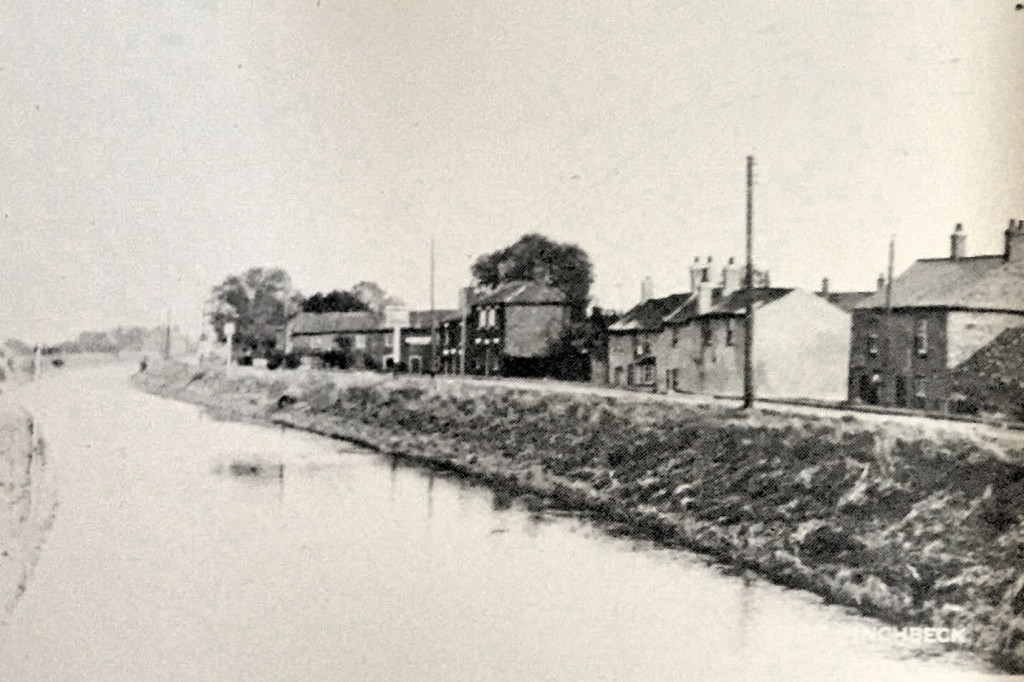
(374,296)
(258,301)
(567,265)
(334,302)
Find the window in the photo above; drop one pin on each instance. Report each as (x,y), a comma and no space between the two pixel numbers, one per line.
(921,338)
(872,344)
(647,373)
(481,318)
(359,341)
(730,332)
(920,386)
(706,334)
(675,336)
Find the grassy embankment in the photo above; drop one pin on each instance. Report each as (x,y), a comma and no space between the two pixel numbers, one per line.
(896,520)
(27,502)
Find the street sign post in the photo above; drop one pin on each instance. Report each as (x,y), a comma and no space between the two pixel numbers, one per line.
(229,332)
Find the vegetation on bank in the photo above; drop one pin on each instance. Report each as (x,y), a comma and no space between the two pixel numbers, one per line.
(901,523)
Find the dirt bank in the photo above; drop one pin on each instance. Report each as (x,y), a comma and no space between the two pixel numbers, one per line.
(27,502)
(905,522)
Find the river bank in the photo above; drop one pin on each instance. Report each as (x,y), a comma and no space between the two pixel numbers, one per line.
(27,502)
(919,528)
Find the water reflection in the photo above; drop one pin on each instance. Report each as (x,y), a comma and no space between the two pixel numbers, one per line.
(357,568)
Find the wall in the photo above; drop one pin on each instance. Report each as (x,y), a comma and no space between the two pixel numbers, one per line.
(531,329)
(968,331)
(620,355)
(801,348)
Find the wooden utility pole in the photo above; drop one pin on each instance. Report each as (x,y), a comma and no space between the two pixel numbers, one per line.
(433,315)
(890,362)
(748,327)
(167,337)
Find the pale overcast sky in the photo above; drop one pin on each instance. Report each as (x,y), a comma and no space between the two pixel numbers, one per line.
(151,149)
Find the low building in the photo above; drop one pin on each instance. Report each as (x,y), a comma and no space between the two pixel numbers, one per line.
(358,334)
(909,338)
(397,339)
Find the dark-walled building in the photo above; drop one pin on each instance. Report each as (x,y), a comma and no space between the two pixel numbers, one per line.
(510,329)
(907,342)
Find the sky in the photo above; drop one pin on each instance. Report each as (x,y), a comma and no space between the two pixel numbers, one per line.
(152,149)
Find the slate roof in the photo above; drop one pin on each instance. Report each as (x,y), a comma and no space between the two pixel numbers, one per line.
(736,302)
(522,292)
(977,283)
(334,323)
(651,314)
(421,319)
(845,300)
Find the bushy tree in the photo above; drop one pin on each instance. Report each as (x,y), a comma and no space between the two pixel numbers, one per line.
(567,264)
(258,301)
(334,302)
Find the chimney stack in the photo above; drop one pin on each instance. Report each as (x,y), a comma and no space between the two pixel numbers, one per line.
(704,292)
(732,277)
(958,243)
(695,274)
(824,286)
(1014,251)
(646,289)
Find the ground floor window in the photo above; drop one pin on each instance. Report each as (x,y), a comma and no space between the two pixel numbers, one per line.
(415,364)
(672,379)
(646,373)
(617,376)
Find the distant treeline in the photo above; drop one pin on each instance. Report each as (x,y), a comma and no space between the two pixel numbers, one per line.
(121,339)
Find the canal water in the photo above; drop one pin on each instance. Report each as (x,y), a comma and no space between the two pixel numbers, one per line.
(162,565)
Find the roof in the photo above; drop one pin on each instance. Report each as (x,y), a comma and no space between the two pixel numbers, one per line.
(522,292)
(421,319)
(650,314)
(846,300)
(334,323)
(736,302)
(981,283)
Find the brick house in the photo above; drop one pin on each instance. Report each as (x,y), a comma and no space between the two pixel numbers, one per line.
(509,329)
(940,312)
(694,342)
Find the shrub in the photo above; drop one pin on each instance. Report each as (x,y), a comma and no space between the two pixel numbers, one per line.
(274,359)
(292,361)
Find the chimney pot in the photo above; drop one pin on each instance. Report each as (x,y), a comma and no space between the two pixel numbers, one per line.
(881,282)
(958,243)
(824,285)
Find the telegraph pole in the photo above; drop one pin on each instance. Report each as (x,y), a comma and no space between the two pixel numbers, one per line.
(890,363)
(748,327)
(433,315)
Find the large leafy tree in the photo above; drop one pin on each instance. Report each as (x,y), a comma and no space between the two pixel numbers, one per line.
(334,302)
(258,301)
(567,265)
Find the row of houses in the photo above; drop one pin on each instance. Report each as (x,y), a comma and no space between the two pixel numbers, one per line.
(915,342)
(507,330)
(694,342)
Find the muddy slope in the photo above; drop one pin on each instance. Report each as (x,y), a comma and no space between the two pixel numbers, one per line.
(903,523)
(27,502)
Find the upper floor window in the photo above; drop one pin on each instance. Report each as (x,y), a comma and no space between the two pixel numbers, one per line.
(730,332)
(872,344)
(481,317)
(675,336)
(921,338)
(706,333)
